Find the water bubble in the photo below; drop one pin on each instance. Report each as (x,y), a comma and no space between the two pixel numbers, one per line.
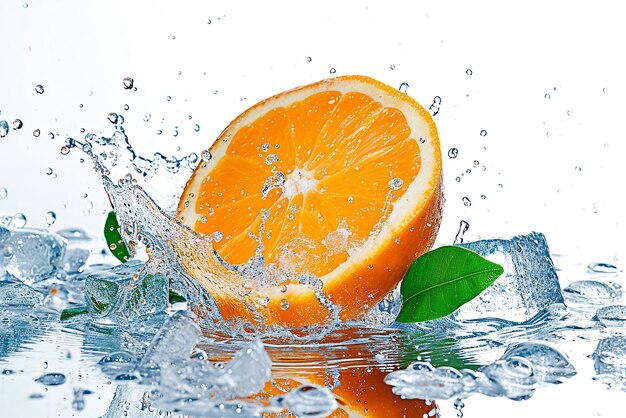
(128,83)
(602,268)
(434,107)
(206,155)
(468,71)
(36,133)
(466,201)
(483,197)
(25,5)
(4,128)
(392,67)
(196,127)
(39,89)
(309,59)
(453,152)
(483,133)
(49,171)
(569,113)
(3,193)
(463,227)
(577,169)
(168,98)
(333,71)
(350,199)
(51,379)
(17,124)
(50,135)
(147,117)
(159,132)
(395,184)
(65,150)
(284,304)
(403,87)
(547,96)
(265,147)
(126,107)
(51,218)
(476,162)
(112,117)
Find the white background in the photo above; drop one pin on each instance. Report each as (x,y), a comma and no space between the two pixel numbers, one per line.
(546,84)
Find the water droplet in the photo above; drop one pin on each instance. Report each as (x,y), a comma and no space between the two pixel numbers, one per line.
(569,113)
(469,71)
(547,96)
(112,117)
(403,87)
(65,150)
(36,133)
(333,71)
(218,236)
(476,162)
(500,185)
(50,135)
(168,98)
(466,201)
(612,315)
(309,59)
(25,5)
(603,268)
(196,127)
(17,124)
(39,89)
(4,128)
(463,227)
(453,152)
(392,67)
(49,171)
(159,132)
(128,83)
(284,304)
(395,184)
(483,197)
(51,218)
(458,179)
(147,117)
(577,169)
(206,155)
(3,193)
(604,90)
(271,159)
(126,107)
(483,133)
(19,220)
(51,379)
(350,199)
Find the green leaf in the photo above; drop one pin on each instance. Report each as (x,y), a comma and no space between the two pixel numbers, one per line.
(114,239)
(175,297)
(98,306)
(72,312)
(442,280)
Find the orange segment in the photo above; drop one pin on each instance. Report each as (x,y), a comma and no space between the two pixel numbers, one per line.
(346,172)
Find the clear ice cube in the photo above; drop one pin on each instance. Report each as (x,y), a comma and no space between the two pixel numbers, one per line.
(18,294)
(529,283)
(35,254)
(125,292)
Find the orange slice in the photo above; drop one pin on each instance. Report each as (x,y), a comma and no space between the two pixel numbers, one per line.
(340,178)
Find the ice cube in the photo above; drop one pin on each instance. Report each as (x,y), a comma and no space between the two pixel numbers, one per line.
(5,251)
(75,259)
(36,254)
(18,294)
(174,341)
(529,283)
(125,292)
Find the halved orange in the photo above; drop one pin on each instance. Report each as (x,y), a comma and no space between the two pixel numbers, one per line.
(340,179)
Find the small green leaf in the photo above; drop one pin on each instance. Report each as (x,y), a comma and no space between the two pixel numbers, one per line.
(114,239)
(442,280)
(99,306)
(72,312)
(175,297)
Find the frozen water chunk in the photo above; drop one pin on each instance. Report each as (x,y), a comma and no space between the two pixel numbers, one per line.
(5,251)
(174,341)
(612,316)
(125,292)
(36,254)
(529,283)
(18,294)
(610,360)
(75,259)
(515,375)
